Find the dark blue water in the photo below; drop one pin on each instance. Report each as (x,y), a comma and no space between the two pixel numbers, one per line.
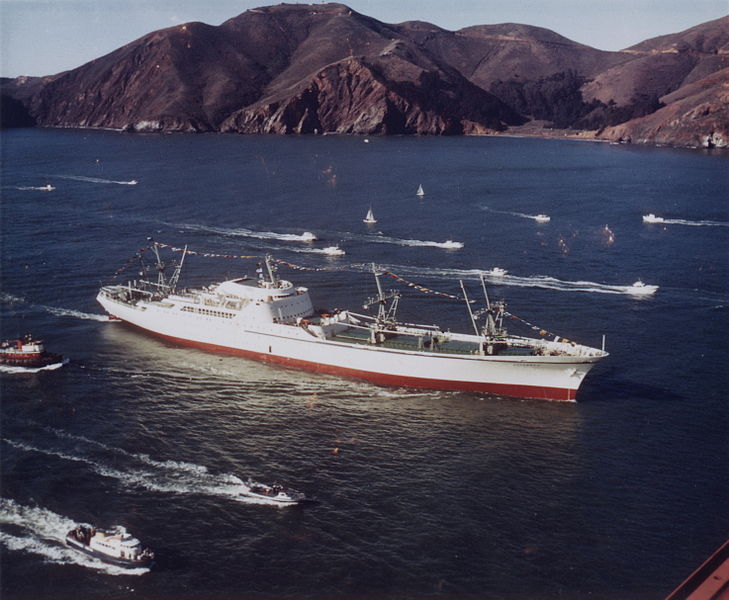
(617,496)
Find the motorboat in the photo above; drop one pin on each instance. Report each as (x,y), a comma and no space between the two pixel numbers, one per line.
(273,493)
(651,218)
(641,289)
(333,251)
(542,218)
(307,236)
(114,546)
(497,272)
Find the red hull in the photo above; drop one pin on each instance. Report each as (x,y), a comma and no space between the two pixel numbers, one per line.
(30,361)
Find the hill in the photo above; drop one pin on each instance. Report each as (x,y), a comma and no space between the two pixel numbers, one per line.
(325,68)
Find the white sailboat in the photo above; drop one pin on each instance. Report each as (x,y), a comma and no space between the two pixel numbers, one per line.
(370,218)
(420,193)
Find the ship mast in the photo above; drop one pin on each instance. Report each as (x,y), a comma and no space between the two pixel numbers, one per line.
(385,314)
(494,325)
(271,271)
(176,274)
(161,281)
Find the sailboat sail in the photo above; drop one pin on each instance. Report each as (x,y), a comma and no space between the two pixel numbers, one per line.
(370,218)
(420,191)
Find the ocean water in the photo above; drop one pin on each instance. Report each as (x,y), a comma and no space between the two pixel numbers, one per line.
(619,495)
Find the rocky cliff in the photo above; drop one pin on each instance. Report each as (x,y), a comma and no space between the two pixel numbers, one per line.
(325,68)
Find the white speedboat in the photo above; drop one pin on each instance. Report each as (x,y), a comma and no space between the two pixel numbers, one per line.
(641,289)
(497,272)
(542,218)
(333,251)
(651,218)
(451,245)
(114,546)
(307,236)
(273,493)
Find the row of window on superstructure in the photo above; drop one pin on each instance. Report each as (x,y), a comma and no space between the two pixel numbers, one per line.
(208,312)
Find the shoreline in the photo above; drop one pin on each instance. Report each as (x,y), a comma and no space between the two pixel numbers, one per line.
(523,131)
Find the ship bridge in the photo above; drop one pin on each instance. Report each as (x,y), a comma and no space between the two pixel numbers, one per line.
(284,301)
(253,289)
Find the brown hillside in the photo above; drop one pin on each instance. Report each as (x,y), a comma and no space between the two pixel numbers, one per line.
(695,115)
(295,68)
(243,75)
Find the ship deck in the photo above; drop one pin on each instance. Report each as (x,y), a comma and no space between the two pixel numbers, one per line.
(418,344)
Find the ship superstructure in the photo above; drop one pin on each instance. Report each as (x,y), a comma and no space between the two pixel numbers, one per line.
(270,319)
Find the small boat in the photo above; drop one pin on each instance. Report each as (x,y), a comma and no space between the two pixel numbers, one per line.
(451,245)
(274,493)
(370,218)
(497,272)
(651,218)
(333,251)
(307,236)
(641,289)
(27,352)
(132,182)
(47,188)
(114,546)
(542,218)
(420,193)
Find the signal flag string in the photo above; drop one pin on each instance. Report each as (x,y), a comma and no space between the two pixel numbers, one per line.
(138,256)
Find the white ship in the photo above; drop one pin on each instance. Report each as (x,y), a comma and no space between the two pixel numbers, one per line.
(269,319)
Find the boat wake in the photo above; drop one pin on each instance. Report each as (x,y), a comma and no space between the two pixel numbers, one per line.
(37,530)
(144,472)
(42,188)
(307,236)
(53,367)
(500,277)
(382,239)
(651,218)
(540,218)
(76,314)
(96,179)
(54,310)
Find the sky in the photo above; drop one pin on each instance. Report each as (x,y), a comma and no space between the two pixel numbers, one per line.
(44,37)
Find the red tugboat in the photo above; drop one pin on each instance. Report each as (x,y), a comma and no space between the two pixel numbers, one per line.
(27,352)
